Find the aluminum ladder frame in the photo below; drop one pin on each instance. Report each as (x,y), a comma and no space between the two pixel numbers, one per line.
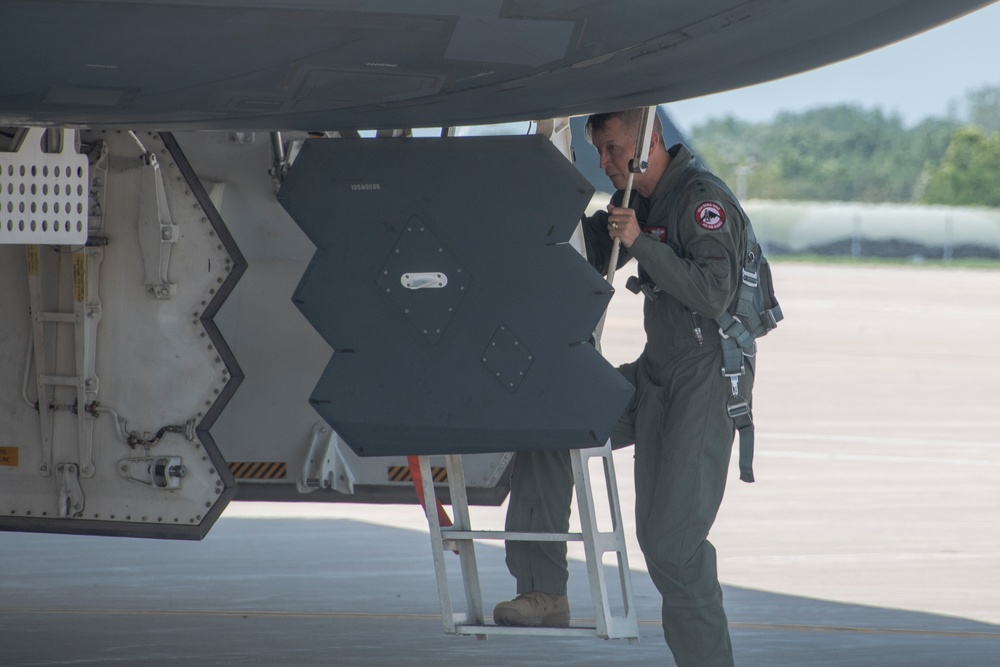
(461,538)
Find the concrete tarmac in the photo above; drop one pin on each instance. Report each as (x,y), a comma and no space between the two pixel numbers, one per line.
(870,538)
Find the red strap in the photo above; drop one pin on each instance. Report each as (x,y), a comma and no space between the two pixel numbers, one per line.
(418,484)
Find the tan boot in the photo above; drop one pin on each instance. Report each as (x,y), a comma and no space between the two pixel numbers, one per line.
(534,610)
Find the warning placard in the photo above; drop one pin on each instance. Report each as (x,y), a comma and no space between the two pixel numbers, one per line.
(34,259)
(8,456)
(80,278)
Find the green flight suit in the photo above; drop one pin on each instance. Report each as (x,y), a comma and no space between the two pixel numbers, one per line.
(691,251)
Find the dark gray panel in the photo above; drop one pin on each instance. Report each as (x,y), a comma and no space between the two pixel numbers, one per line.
(496,359)
(318,65)
(510,41)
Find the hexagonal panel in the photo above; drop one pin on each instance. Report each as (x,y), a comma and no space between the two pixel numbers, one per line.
(496,215)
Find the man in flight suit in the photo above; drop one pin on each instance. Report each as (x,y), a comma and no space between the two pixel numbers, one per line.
(689,238)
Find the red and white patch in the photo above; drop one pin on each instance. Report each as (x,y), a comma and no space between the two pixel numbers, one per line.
(658,233)
(710,215)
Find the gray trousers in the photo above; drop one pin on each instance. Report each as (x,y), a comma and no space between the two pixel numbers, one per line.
(683,442)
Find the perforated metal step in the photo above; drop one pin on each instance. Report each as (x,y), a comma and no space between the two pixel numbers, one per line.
(44,196)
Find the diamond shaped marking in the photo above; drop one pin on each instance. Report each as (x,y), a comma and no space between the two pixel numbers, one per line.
(423,279)
(507,359)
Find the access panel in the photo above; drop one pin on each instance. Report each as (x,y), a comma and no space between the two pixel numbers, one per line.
(459,316)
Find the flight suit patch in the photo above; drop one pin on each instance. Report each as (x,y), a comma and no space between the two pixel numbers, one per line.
(658,233)
(710,215)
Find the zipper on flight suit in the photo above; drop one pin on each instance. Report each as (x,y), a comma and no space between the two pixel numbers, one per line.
(697,329)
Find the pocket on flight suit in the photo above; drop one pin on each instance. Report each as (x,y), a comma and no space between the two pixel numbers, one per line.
(650,454)
(623,434)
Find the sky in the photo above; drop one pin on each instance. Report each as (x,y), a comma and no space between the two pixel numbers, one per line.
(916,78)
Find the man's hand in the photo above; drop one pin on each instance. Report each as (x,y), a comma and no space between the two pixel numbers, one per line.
(623,225)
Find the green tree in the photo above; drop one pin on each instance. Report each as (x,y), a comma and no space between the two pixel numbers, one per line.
(843,153)
(984,108)
(847,153)
(969,174)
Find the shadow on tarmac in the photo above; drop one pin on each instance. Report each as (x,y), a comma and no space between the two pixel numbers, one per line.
(339,592)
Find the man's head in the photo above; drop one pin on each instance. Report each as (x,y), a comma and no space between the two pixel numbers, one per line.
(614,135)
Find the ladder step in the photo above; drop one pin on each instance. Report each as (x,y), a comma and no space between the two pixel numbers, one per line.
(69,318)
(457,535)
(572,631)
(60,380)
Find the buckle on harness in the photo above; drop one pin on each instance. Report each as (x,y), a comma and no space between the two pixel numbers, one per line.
(770,321)
(750,278)
(737,408)
(734,375)
(732,329)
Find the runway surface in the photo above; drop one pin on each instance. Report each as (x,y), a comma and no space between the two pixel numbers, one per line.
(871,537)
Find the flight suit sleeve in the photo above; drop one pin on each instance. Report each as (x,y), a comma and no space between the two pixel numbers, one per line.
(709,228)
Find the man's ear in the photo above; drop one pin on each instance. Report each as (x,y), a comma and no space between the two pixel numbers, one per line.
(654,139)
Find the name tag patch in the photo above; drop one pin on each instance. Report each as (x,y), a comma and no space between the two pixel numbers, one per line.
(658,233)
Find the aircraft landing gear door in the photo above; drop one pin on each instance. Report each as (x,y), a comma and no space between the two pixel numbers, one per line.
(111,369)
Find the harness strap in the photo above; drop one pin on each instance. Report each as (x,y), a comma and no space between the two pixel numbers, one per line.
(732,328)
(745,427)
(736,326)
(737,407)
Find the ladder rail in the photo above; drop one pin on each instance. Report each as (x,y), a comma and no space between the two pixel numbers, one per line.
(40,358)
(466,548)
(597,543)
(623,566)
(440,568)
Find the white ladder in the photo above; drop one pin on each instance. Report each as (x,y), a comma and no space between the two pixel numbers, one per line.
(82,269)
(460,538)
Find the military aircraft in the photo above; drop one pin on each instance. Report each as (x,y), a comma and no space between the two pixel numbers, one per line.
(216,284)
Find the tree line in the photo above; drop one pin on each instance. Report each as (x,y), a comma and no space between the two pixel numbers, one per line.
(847,153)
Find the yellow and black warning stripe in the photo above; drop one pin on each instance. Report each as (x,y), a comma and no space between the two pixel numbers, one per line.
(402,474)
(259,469)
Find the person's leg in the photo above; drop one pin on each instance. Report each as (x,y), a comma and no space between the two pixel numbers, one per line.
(682,460)
(541,491)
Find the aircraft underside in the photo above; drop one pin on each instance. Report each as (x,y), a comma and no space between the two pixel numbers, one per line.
(334,65)
(225,311)
(199,343)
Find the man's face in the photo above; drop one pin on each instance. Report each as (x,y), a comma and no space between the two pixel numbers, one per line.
(616,146)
